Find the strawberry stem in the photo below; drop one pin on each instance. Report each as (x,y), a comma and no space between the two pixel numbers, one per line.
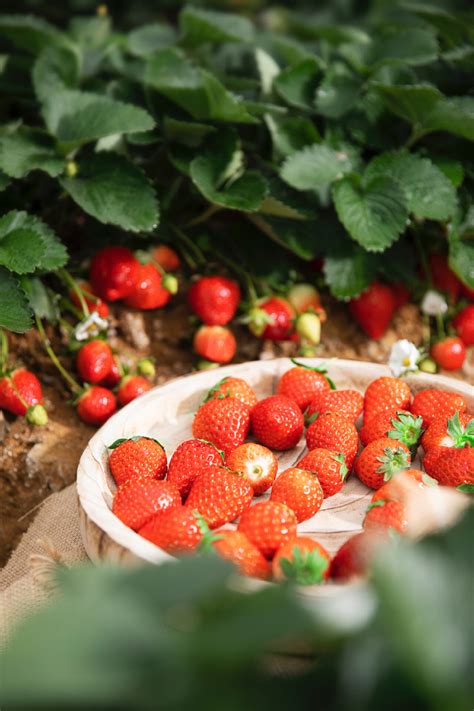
(75,387)
(3,351)
(204,216)
(72,283)
(198,258)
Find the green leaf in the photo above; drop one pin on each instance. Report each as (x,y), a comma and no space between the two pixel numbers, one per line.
(79,117)
(452,169)
(56,69)
(283,201)
(150,38)
(455,115)
(21,250)
(114,191)
(15,314)
(291,134)
(411,102)
(349,271)
(461,259)
(413,46)
(28,149)
(452,28)
(296,84)
(337,93)
(374,213)
(267,68)
(428,192)
(29,32)
(200,27)
(40,299)
(299,237)
(4,181)
(314,167)
(189,133)
(54,254)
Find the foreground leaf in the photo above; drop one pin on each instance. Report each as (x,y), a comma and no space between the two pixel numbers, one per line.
(19,223)
(29,32)
(15,314)
(56,69)
(314,167)
(28,149)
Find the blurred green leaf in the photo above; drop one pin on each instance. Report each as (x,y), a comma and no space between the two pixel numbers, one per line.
(28,149)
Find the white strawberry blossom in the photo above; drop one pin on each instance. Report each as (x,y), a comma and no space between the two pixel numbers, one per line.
(90,327)
(434,304)
(404,358)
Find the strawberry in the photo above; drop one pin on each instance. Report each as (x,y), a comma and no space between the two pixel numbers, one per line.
(220,496)
(96,405)
(255,463)
(148,291)
(114,375)
(189,459)
(235,388)
(93,302)
(347,403)
(214,299)
(304,297)
(303,383)
(137,457)
(464,325)
(331,431)
(236,547)
(94,361)
(380,460)
(432,404)
(277,422)
(268,525)
(443,277)
(396,488)
(225,423)
(467,292)
(450,466)
(300,490)
(450,353)
(21,393)
(401,294)
(140,498)
(329,466)
(215,343)
(386,394)
(113,273)
(166,257)
(302,560)
(131,387)
(456,431)
(373,309)
(354,557)
(178,530)
(401,425)
(272,318)
(384,513)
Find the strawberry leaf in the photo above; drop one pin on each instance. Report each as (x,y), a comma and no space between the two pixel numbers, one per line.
(314,167)
(15,313)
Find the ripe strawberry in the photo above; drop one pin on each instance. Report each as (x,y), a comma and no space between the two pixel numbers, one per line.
(464,325)
(96,405)
(433,404)
(137,457)
(215,343)
(354,557)
(178,530)
(277,422)
(386,394)
(401,425)
(148,291)
(140,498)
(131,387)
(113,273)
(272,318)
(166,257)
(331,431)
(450,353)
(456,431)
(189,460)
(268,525)
(397,488)
(347,403)
(220,496)
(94,361)
(93,302)
(450,466)
(20,392)
(373,309)
(236,547)
(300,490)
(302,560)
(114,376)
(384,513)
(467,292)
(380,460)
(329,466)
(255,463)
(303,383)
(443,277)
(214,299)
(401,294)
(225,423)
(235,388)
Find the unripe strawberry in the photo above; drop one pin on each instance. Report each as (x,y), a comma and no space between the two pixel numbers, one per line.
(166,257)
(308,326)
(146,367)
(37,415)
(304,297)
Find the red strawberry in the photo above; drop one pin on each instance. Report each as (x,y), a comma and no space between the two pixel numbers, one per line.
(347,403)
(450,353)
(255,463)
(214,299)
(96,405)
(401,294)
(166,257)
(220,496)
(385,514)
(277,422)
(272,318)
(114,376)
(373,309)
(225,423)
(148,291)
(354,557)
(178,530)
(302,560)
(235,388)
(329,466)
(189,460)
(236,547)
(300,490)
(433,404)
(380,460)
(140,498)
(467,291)
(331,431)
(137,457)
(456,431)
(386,394)
(464,325)
(268,525)
(443,277)
(93,302)
(215,343)
(20,391)
(303,383)
(113,274)
(450,466)
(398,486)
(94,361)
(131,387)
(401,425)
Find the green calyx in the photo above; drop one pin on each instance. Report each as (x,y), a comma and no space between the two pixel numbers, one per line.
(321,369)
(376,504)
(392,461)
(461,437)
(407,429)
(466,488)
(219,451)
(206,546)
(343,466)
(306,568)
(37,415)
(215,389)
(257,320)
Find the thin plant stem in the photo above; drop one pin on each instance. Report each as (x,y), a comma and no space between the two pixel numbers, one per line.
(3,351)
(72,283)
(198,256)
(204,216)
(75,387)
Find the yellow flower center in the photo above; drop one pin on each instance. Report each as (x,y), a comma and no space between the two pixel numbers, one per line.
(406,361)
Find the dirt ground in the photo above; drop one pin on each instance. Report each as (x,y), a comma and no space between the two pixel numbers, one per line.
(35,462)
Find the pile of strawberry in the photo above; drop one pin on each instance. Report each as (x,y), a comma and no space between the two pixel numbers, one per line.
(211,480)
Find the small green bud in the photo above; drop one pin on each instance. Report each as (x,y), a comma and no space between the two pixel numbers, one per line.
(308,326)
(37,415)
(427,365)
(170,283)
(145,366)
(71,169)
(206,365)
